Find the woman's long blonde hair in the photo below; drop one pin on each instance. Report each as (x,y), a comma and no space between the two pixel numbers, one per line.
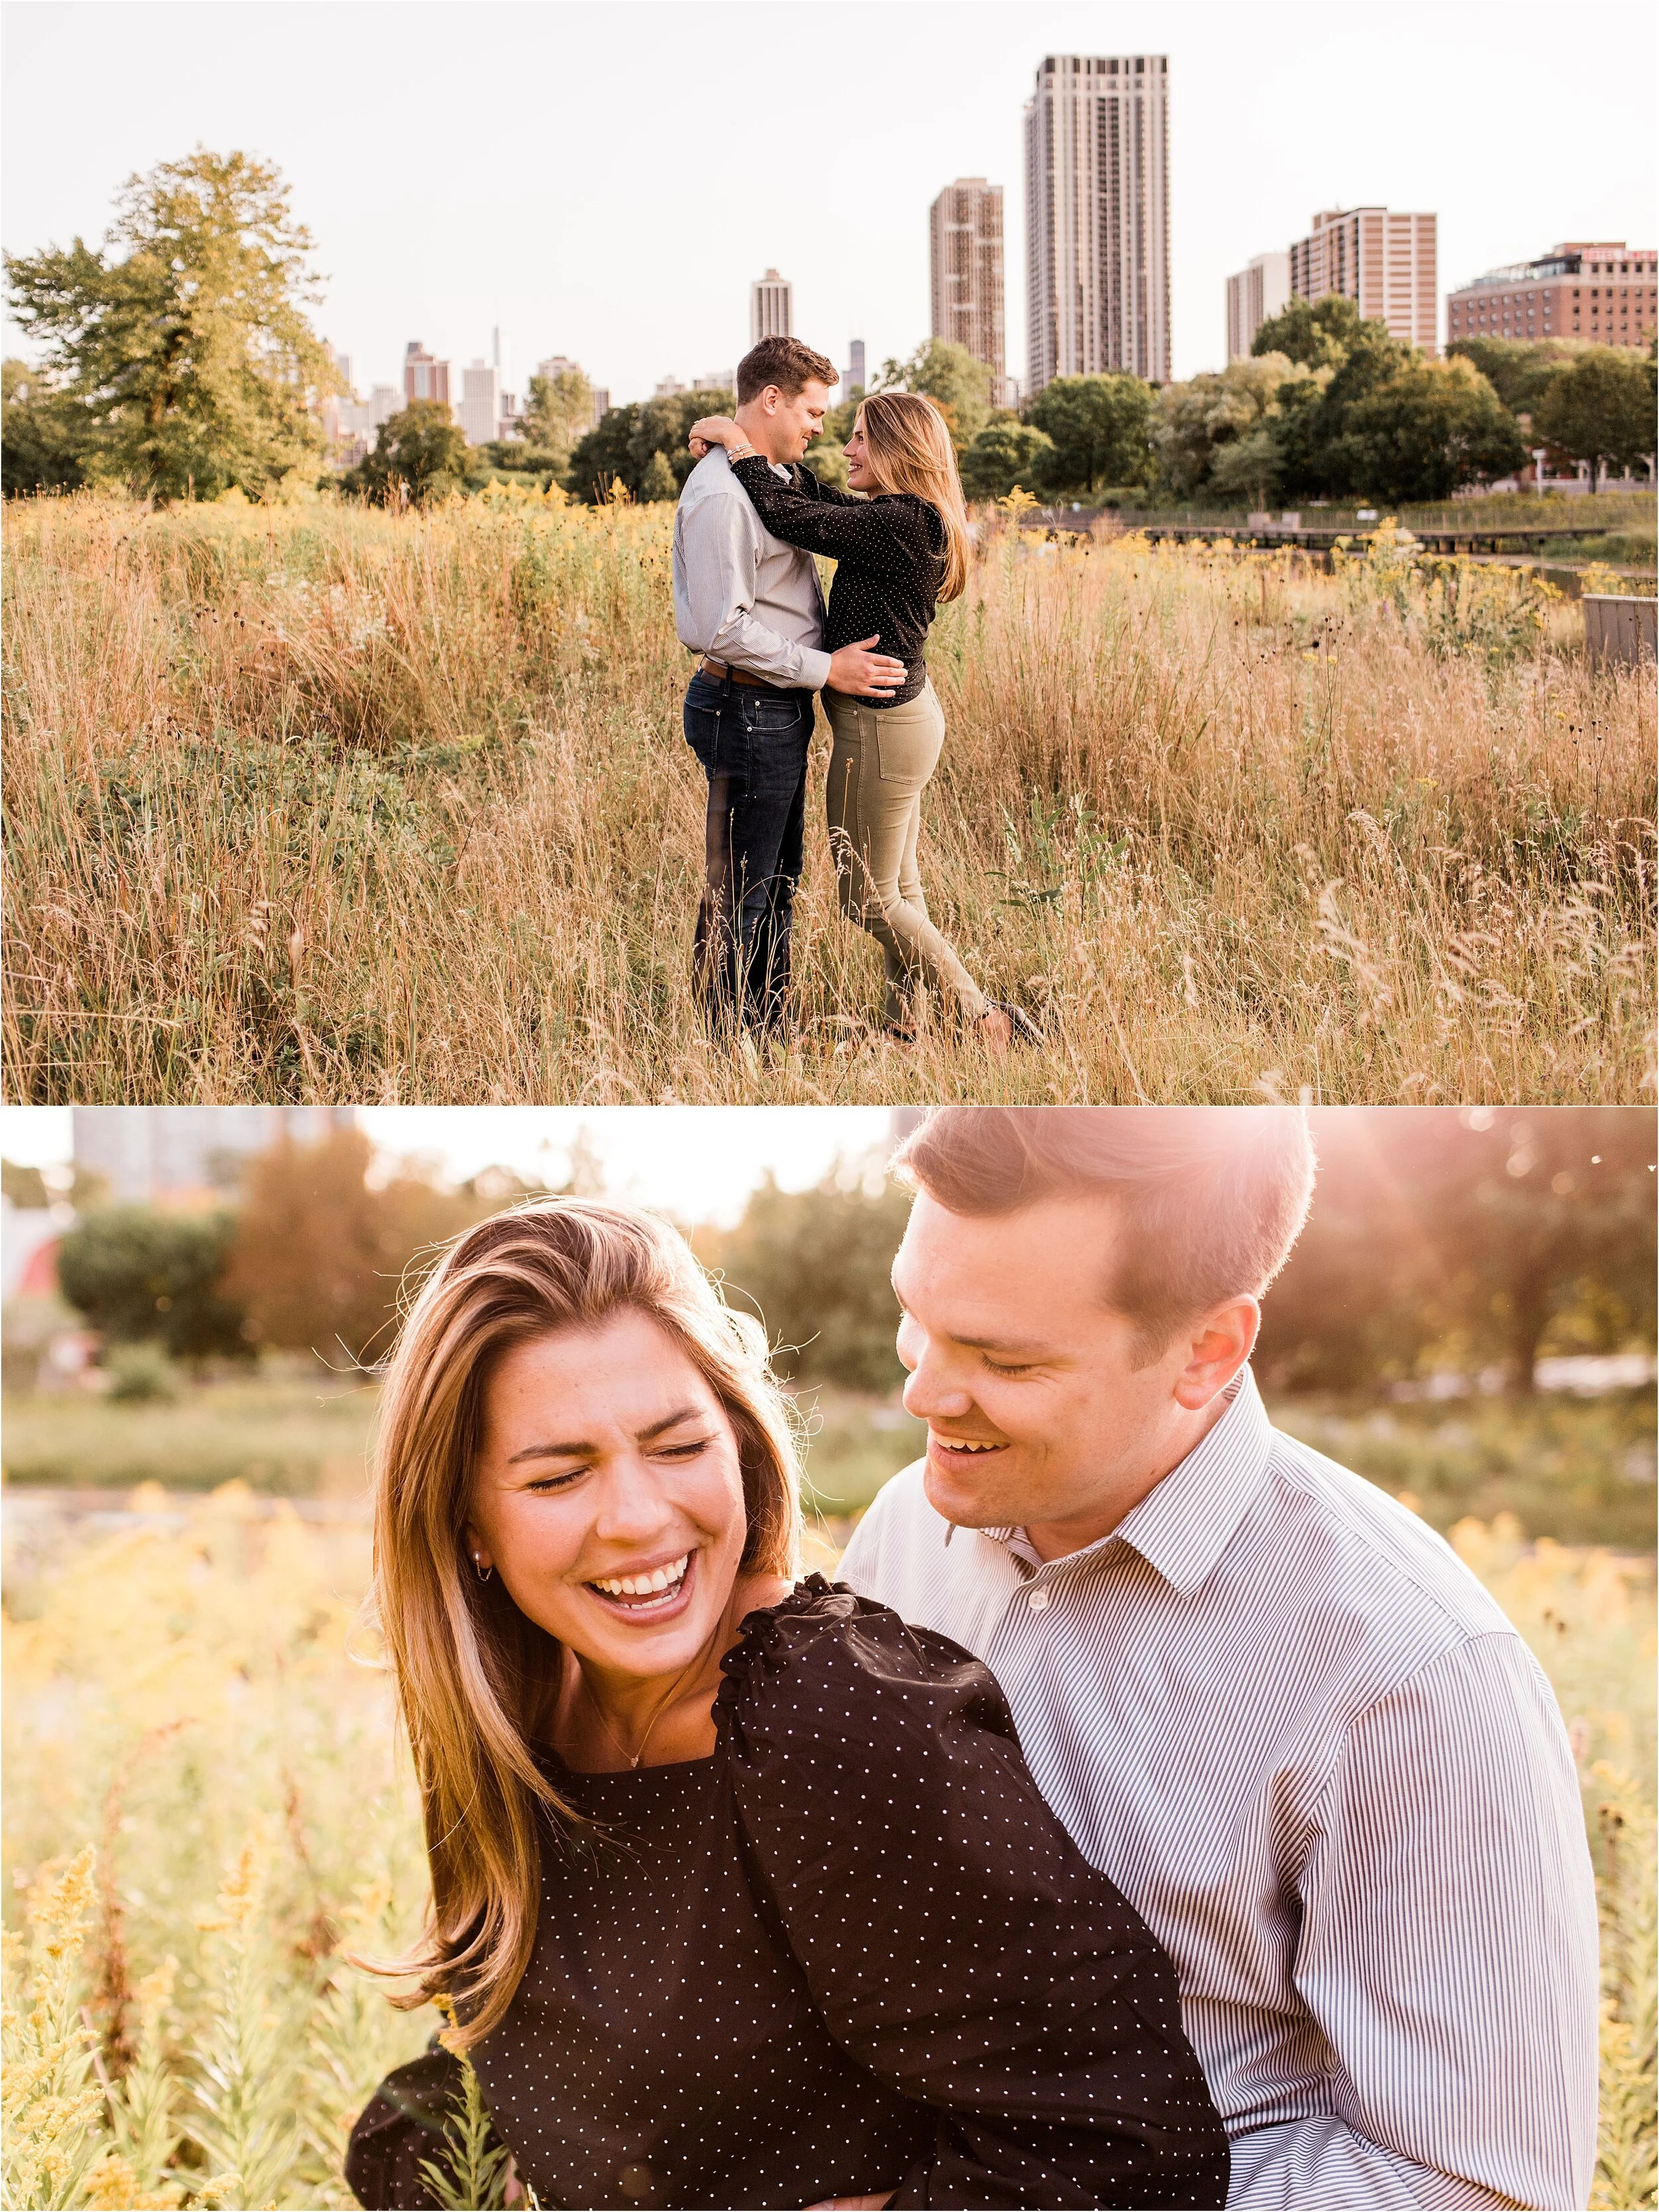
(473,1674)
(910,450)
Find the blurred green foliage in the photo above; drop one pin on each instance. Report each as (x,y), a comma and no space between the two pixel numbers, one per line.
(143,1276)
(815,1265)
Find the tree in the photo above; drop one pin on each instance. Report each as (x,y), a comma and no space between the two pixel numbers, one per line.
(1436,425)
(814,1264)
(184,338)
(957,383)
(1459,1239)
(604,456)
(1600,408)
(559,410)
(420,449)
(1358,356)
(1006,452)
(44,434)
(1100,427)
(1219,432)
(25,1187)
(1319,333)
(629,438)
(319,1255)
(1518,369)
(658,480)
(139,1275)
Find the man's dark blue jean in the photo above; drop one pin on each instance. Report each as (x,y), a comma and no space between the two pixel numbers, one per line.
(752,746)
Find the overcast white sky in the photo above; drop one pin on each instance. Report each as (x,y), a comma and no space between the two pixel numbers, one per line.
(605,180)
(699,1163)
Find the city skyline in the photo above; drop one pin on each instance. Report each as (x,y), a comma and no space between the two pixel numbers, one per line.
(531,233)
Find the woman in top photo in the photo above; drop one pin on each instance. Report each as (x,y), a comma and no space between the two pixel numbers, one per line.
(742,1891)
(899,551)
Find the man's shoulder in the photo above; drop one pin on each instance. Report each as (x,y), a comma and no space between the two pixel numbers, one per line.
(712,478)
(1362,1555)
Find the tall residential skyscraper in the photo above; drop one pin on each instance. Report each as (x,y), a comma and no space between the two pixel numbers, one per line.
(856,378)
(424,378)
(1257,292)
(964,229)
(771,313)
(1386,263)
(1097,217)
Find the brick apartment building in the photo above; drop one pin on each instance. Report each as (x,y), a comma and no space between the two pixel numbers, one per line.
(1607,293)
(1383,261)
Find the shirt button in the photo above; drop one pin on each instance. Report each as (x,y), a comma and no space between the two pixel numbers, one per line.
(1037,1599)
(637,2183)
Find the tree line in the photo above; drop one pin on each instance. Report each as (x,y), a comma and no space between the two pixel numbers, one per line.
(1438,1240)
(178,361)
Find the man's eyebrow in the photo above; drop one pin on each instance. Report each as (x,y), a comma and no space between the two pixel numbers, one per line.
(978,1343)
(581,1448)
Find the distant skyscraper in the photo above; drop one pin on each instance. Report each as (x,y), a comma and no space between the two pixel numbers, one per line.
(771,311)
(1257,292)
(481,402)
(1385,262)
(424,378)
(146,1152)
(856,380)
(668,387)
(1097,217)
(965,256)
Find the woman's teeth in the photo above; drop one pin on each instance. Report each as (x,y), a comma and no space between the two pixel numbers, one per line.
(960,1443)
(646,1586)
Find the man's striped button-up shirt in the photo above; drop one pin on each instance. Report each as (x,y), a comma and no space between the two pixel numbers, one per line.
(1278,1712)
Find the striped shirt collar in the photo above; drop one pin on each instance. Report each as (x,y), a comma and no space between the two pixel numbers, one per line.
(1184,1523)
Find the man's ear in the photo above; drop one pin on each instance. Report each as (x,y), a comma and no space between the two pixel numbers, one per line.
(1216,1349)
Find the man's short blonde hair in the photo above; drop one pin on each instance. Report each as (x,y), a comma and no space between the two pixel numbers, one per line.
(1208,1200)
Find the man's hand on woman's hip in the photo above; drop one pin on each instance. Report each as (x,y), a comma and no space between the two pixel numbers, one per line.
(867,675)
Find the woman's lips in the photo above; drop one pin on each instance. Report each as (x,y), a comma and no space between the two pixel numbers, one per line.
(642,1595)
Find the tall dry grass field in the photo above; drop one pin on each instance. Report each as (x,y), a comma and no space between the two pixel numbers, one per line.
(206,1806)
(317,803)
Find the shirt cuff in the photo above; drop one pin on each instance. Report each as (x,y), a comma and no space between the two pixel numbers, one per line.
(814,668)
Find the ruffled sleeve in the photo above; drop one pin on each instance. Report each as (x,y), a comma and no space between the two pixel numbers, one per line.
(956,1940)
(402,2126)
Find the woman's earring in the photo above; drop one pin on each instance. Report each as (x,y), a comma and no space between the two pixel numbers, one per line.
(485,1572)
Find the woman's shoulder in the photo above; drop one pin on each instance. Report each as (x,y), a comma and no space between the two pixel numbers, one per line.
(850,1670)
(917,516)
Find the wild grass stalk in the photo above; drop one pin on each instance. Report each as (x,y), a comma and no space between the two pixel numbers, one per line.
(325,804)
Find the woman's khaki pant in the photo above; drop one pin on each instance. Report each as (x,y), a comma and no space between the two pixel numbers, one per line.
(879,765)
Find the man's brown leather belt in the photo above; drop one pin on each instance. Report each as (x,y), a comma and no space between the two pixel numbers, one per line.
(720,672)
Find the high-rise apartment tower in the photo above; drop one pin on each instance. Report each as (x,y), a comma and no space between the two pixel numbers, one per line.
(1384,262)
(856,378)
(1261,290)
(965,258)
(424,378)
(771,311)
(1097,217)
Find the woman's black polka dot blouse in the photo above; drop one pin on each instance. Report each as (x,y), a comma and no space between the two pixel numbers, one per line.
(853,1951)
(888,554)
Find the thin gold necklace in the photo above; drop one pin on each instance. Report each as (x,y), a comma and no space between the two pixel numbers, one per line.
(663,1704)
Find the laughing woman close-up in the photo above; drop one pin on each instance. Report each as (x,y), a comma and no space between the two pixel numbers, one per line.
(743,1893)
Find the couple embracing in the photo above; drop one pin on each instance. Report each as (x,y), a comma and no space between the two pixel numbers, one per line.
(748,602)
(1154,1813)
